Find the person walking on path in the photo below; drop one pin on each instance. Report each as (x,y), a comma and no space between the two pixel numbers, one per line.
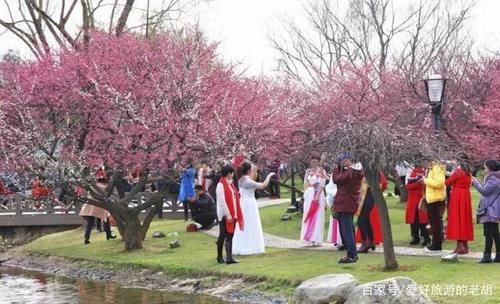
(489,209)
(228,213)
(251,240)
(460,227)
(435,195)
(90,213)
(348,181)
(415,216)
(313,218)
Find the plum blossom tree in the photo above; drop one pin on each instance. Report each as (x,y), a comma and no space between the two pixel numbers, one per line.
(372,115)
(134,104)
(126,102)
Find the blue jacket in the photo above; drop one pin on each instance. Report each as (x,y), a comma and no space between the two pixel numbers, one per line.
(490,196)
(187,184)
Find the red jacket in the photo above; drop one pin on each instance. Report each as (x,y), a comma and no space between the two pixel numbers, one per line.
(348,190)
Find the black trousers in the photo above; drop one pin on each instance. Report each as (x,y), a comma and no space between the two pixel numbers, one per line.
(274,188)
(185,205)
(491,234)
(225,237)
(89,223)
(205,219)
(364,224)
(416,226)
(435,213)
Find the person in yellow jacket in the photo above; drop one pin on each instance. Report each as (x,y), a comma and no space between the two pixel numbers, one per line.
(435,195)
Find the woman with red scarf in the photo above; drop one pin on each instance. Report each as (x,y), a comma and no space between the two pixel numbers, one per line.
(228,213)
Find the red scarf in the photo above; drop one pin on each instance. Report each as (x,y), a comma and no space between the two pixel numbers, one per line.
(228,198)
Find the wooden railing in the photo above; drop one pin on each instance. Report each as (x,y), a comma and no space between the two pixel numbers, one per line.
(19,210)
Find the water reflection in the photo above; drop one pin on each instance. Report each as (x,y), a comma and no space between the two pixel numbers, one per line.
(19,286)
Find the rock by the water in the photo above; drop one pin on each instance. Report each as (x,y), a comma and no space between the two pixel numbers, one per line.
(174,244)
(399,290)
(158,235)
(329,288)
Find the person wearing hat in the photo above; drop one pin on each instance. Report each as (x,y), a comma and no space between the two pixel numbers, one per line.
(348,179)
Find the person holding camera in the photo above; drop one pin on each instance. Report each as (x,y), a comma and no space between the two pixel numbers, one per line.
(348,179)
(488,212)
(251,240)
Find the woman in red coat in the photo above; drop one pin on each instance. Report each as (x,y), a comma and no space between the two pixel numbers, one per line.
(460,225)
(416,217)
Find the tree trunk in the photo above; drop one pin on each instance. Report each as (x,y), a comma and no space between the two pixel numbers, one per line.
(131,233)
(372,177)
(403,194)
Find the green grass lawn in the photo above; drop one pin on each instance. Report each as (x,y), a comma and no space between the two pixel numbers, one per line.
(278,269)
(271,223)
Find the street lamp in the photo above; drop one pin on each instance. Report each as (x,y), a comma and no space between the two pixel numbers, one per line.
(435,86)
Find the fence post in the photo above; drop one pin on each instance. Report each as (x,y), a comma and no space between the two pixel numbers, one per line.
(19,204)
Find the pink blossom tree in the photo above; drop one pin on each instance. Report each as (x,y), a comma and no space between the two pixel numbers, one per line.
(135,104)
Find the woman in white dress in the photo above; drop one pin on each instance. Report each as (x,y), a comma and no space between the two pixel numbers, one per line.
(313,220)
(251,240)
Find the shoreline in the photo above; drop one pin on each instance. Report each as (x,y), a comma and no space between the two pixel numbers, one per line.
(237,289)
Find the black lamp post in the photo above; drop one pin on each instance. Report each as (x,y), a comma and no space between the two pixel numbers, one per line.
(293,194)
(435,86)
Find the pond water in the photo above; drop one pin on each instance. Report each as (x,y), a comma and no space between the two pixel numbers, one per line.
(19,286)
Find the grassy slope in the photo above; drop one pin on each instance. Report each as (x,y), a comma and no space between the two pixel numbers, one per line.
(285,268)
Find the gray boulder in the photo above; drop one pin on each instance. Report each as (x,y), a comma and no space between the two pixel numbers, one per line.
(158,235)
(329,288)
(174,244)
(399,290)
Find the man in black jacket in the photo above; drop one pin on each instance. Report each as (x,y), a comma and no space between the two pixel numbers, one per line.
(203,209)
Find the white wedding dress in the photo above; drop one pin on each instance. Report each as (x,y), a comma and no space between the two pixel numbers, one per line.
(251,239)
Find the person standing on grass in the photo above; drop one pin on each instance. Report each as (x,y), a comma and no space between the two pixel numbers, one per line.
(460,227)
(251,240)
(415,216)
(490,205)
(435,195)
(229,214)
(313,219)
(348,179)
(370,228)
(186,192)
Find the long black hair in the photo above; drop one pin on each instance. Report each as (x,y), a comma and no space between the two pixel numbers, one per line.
(492,165)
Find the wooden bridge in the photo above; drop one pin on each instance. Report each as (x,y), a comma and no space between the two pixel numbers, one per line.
(20,211)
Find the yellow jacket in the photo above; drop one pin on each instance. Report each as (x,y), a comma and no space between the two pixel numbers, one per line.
(435,189)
